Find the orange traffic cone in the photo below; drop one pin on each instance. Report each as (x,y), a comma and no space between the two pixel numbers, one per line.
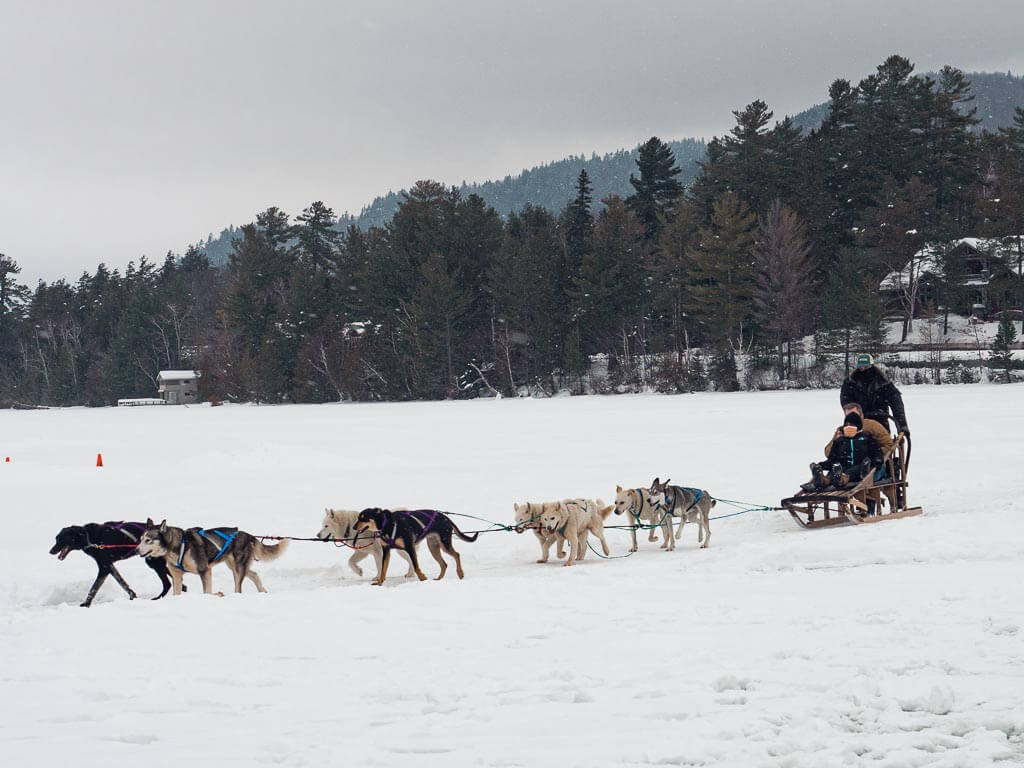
(99,459)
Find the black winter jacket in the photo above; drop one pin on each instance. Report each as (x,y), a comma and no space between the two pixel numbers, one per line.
(850,451)
(876,395)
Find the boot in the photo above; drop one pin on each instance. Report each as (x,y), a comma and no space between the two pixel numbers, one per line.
(836,477)
(817,479)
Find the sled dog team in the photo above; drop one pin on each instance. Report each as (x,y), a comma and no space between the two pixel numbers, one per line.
(172,552)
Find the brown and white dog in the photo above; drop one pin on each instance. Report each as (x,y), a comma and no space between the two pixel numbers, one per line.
(573,520)
(528,519)
(639,509)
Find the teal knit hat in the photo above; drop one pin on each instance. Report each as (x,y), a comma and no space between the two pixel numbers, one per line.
(864,360)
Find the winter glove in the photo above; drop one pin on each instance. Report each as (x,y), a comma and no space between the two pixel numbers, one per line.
(904,429)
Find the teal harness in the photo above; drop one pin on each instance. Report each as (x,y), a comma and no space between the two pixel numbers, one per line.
(227,538)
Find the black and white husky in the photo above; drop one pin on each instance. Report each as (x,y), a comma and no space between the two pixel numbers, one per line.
(108,543)
(690,505)
(197,550)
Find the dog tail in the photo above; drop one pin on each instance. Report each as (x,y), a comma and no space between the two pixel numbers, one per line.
(461,535)
(713,500)
(270,551)
(605,511)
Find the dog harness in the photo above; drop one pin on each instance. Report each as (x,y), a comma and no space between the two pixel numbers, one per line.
(698,494)
(226,537)
(120,528)
(417,518)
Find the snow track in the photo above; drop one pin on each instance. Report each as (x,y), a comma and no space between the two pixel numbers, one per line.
(900,644)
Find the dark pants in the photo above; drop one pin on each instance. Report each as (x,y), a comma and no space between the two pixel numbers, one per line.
(856,473)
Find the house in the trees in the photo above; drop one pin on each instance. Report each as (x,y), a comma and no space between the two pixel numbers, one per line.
(178,387)
(986,274)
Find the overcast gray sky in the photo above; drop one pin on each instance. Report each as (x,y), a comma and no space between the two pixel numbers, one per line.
(135,127)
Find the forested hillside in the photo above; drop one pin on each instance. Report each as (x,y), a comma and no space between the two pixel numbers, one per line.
(783,235)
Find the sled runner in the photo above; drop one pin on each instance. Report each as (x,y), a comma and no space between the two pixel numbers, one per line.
(866,502)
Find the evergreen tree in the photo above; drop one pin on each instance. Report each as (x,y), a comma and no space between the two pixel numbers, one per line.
(669,268)
(1002,348)
(657,188)
(722,279)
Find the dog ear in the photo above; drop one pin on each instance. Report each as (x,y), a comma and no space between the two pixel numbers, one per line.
(655,483)
(665,484)
(331,513)
(618,489)
(163,526)
(149,522)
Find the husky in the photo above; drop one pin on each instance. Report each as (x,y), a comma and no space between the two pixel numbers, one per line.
(636,504)
(197,550)
(572,520)
(528,518)
(107,543)
(340,524)
(404,529)
(690,505)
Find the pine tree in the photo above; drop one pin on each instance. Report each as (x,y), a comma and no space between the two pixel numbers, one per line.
(722,279)
(657,188)
(1002,347)
(669,268)
(783,292)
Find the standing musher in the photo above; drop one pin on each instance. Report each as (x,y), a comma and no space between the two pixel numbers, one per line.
(875,394)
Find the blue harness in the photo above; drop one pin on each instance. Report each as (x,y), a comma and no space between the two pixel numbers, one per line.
(226,537)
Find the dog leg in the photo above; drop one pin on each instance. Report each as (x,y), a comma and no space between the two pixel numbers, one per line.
(545,547)
(255,579)
(411,571)
(100,578)
(158,565)
(574,549)
(123,583)
(583,545)
(410,549)
(682,524)
(207,579)
(383,574)
(598,530)
(359,555)
(453,553)
(435,549)
(707,531)
(632,533)
(669,535)
(176,577)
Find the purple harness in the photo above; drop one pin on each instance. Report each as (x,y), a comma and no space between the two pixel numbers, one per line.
(422,518)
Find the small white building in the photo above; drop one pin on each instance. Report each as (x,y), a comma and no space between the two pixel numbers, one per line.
(178,387)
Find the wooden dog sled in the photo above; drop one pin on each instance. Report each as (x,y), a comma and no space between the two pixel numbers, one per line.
(820,509)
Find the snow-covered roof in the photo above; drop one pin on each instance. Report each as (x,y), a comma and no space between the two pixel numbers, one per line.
(928,260)
(177,375)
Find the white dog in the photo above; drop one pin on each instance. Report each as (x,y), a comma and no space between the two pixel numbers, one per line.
(528,517)
(572,520)
(341,524)
(636,504)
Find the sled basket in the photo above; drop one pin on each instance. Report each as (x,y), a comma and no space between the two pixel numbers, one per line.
(866,502)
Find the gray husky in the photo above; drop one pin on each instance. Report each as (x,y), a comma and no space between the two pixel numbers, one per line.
(690,505)
(197,550)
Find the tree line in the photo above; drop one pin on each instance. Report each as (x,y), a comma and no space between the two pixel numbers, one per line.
(783,236)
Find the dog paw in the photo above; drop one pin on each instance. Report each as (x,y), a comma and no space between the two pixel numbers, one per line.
(83,605)
(359,571)
(542,561)
(132,595)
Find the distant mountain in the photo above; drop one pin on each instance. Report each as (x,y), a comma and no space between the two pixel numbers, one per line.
(552,185)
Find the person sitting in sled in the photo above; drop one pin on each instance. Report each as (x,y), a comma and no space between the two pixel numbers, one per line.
(853,454)
(875,394)
(871,427)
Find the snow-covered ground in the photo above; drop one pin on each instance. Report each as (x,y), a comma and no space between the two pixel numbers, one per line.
(900,644)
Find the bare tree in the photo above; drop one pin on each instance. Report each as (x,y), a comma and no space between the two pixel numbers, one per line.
(782,295)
